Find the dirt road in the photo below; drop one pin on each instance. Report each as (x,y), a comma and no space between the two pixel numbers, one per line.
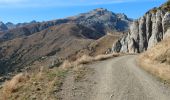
(121,79)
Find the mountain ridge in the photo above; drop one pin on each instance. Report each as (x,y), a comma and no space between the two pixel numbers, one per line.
(101,20)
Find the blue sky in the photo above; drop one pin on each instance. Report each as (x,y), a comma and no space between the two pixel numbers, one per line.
(42,10)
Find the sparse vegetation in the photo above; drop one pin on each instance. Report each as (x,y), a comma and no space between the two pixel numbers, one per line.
(66,64)
(166,6)
(157,60)
(80,72)
(85,59)
(104,57)
(13,85)
(88,59)
(154,10)
(44,83)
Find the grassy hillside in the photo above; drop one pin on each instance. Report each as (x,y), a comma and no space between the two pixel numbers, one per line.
(66,41)
(44,83)
(100,46)
(157,60)
(59,41)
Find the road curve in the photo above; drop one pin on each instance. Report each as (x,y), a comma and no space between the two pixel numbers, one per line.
(121,79)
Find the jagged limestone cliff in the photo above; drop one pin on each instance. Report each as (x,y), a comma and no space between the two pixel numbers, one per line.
(147,31)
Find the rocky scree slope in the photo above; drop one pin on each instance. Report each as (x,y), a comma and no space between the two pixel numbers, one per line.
(147,31)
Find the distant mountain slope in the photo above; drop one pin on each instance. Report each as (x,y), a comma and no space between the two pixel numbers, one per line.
(103,21)
(10,25)
(147,31)
(59,41)
(23,44)
(100,20)
(3,27)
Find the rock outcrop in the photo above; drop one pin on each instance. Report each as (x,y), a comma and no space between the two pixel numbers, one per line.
(103,21)
(145,32)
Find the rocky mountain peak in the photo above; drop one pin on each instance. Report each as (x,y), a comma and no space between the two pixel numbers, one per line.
(33,21)
(122,16)
(103,20)
(10,25)
(96,13)
(100,10)
(3,27)
(1,23)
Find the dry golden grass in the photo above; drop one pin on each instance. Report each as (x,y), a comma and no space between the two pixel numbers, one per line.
(85,59)
(12,85)
(160,70)
(66,64)
(104,57)
(40,73)
(88,59)
(103,44)
(41,84)
(44,82)
(156,60)
(79,72)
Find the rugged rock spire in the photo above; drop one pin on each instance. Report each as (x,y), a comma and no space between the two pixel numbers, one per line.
(146,32)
